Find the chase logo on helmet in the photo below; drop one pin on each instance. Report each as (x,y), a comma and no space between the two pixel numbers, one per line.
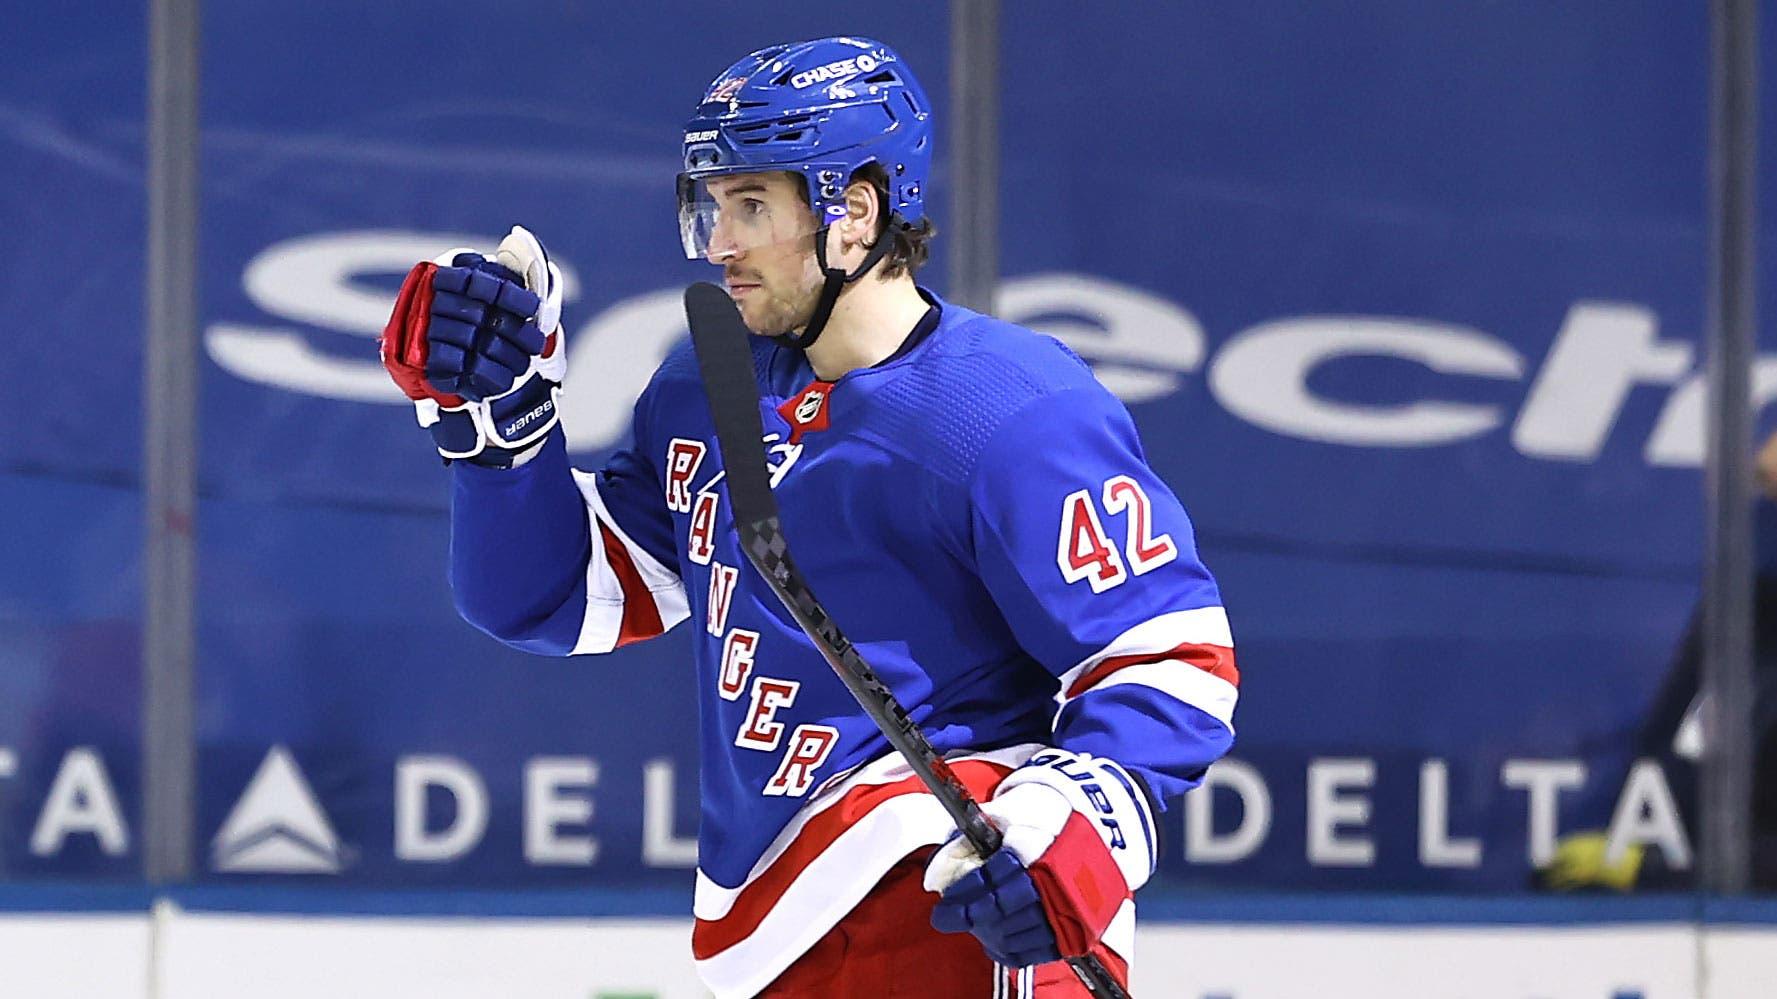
(833,70)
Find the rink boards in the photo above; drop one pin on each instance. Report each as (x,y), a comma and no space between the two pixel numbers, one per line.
(1517,952)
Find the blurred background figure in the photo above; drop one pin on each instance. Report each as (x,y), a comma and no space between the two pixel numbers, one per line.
(1674,737)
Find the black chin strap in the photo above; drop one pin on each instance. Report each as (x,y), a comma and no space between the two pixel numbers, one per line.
(836,280)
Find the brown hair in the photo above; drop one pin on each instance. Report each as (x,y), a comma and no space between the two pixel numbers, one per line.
(912,243)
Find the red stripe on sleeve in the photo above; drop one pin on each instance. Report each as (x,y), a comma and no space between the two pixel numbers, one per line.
(1216,660)
(641,617)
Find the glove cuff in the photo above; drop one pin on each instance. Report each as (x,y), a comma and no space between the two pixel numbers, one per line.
(523,416)
(499,433)
(1105,794)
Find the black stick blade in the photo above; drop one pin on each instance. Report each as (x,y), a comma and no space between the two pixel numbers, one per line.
(725,363)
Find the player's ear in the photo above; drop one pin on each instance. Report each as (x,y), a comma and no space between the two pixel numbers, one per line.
(863,213)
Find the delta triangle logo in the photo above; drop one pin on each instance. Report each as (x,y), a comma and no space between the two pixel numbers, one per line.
(277,827)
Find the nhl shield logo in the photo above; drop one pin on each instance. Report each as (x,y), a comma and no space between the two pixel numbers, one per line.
(807,413)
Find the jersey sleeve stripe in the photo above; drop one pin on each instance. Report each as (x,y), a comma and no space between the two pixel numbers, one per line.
(630,596)
(1216,660)
(1186,654)
(1160,634)
(1209,694)
(641,618)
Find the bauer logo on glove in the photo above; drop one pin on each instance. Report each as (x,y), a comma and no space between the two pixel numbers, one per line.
(476,344)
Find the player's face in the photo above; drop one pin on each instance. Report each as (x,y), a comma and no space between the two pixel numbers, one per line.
(761,243)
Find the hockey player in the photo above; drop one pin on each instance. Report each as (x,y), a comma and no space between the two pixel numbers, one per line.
(973,507)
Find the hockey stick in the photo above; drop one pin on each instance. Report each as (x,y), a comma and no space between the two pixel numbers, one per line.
(725,363)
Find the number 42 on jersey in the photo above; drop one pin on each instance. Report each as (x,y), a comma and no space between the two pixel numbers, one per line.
(1084,551)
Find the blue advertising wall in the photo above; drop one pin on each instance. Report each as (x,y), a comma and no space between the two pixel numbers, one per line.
(1405,299)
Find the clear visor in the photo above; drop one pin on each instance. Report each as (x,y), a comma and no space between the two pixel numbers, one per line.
(722,217)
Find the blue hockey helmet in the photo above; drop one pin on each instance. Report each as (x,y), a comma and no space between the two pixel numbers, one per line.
(820,109)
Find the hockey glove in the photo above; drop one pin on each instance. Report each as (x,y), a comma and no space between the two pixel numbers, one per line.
(476,344)
(1079,839)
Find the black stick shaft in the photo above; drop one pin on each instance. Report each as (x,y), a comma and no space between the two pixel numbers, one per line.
(870,692)
(725,363)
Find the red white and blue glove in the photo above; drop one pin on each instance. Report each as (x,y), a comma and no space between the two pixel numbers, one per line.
(1079,839)
(476,344)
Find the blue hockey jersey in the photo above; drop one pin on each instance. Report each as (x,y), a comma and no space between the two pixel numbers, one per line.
(976,514)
